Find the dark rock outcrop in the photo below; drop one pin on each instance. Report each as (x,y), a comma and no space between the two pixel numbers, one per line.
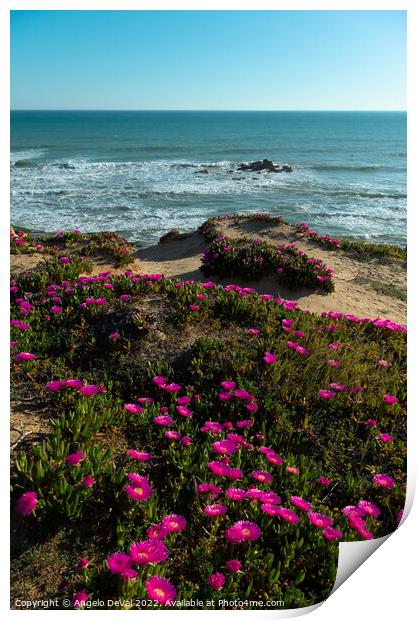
(171,234)
(265,164)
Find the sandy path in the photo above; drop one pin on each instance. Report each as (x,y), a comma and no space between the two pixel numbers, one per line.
(354,279)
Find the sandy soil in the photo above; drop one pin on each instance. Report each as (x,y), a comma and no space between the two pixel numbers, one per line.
(355,280)
(182,258)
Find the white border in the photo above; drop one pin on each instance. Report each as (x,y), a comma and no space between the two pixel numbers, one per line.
(383,586)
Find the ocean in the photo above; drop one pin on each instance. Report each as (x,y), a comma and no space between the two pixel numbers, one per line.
(138,172)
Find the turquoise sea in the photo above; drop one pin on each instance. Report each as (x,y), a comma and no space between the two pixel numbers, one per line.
(138,172)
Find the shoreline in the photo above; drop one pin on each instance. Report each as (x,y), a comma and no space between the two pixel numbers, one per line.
(365,284)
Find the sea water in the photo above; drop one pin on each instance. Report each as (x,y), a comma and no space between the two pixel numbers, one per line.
(143,173)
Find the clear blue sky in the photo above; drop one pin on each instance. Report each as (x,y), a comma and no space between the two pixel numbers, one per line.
(272,60)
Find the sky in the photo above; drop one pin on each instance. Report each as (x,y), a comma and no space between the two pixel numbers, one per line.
(208,60)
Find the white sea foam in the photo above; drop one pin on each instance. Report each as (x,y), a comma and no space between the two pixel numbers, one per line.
(145,198)
(26,155)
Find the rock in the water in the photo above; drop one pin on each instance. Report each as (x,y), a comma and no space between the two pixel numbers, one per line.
(265,164)
(203,171)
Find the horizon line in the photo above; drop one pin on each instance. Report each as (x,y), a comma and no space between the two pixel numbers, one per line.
(195,110)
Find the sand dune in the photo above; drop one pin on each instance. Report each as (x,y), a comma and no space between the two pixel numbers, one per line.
(370,287)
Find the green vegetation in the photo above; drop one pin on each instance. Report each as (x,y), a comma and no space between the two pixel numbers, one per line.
(165,398)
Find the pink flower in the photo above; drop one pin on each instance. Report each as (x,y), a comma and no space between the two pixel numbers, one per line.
(118,562)
(139,490)
(369,508)
(332,534)
(228,385)
(158,532)
(132,408)
(88,481)
(389,399)
(129,574)
(139,456)
(27,503)
(160,590)
(64,260)
(319,520)
(114,336)
(83,563)
(233,565)
(174,523)
(270,358)
(90,390)
(288,515)
(163,420)
(79,599)
(215,510)
(234,473)
(236,438)
(254,494)
(270,509)
(273,458)
(148,552)
(301,503)
(338,387)
(327,394)
(174,435)
(225,446)
(55,386)
(334,363)
(184,411)
(244,423)
(223,396)
(25,357)
(292,470)
(355,511)
(244,394)
(124,297)
(186,440)
(235,494)
(243,531)
(211,427)
(73,383)
(385,437)
(218,468)
(56,309)
(207,487)
(261,476)
(364,533)
(324,481)
(171,387)
(74,458)
(371,422)
(384,363)
(159,380)
(270,497)
(382,480)
(216,581)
